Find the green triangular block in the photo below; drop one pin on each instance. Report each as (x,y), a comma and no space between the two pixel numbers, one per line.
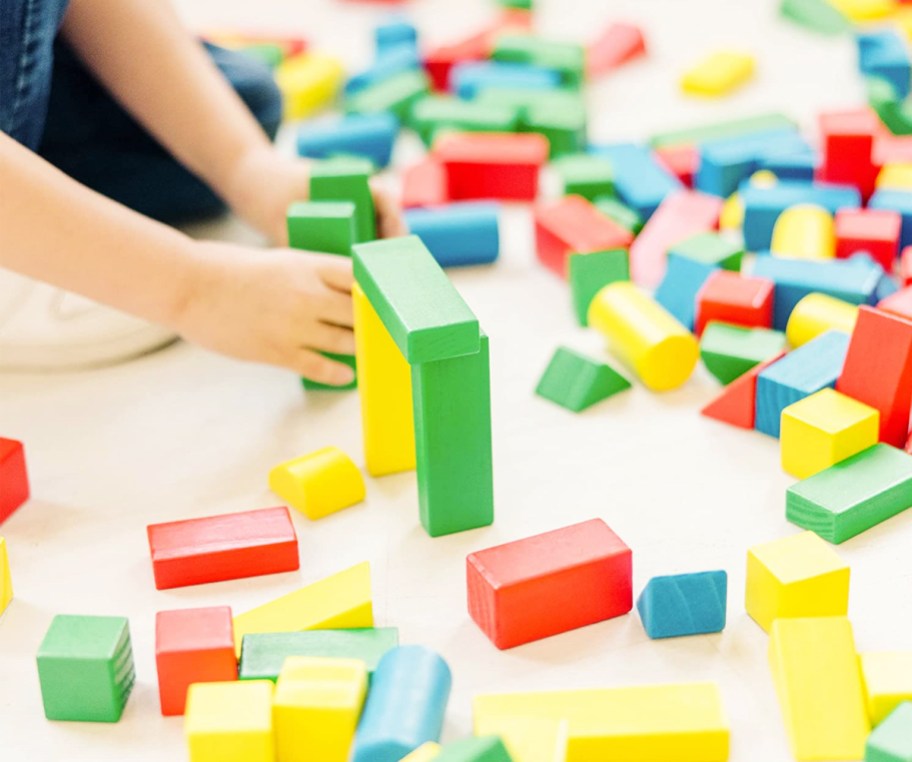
(486,749)
(891,741)
(576,382)
(729,351)
(590,273)
(817,15)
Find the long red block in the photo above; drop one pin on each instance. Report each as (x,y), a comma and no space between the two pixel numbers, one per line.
(905,266)
(192,646)
(14,483)
(229,546)
(681,160)
(878,370)
(728,297)
(875,231)
(736,404)
(424,184)
(491,165)
(847,142)
(572,225)
(617,45)
(899,303)
(679,216)
(550,583)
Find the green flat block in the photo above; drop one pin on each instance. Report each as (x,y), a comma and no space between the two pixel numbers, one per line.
(326,226)
(729,351)
(711,249)
(891,741)
(854,495)
(728,129)
(85,667)
(622,214)
(396,95)
(590,273)
(883,99)
(269,53)
(816,15)
(437,112)
(576,382)
(423,312)
(263,655)
(565,57)
(452,403)
(585,175)
(525,5)
(347,180)
(552,101)
(485,749)
(315,386)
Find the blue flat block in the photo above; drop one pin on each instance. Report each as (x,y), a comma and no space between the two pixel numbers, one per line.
(469,78)
(458,234)
(684,604)
(802,372)
(396,32)
(677,292)
(371,136)
(797,165)
(395,62)
(884,54)
(405,707)
(898,201)
(763,205)
(640,181)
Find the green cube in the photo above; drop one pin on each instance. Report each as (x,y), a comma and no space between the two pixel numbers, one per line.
(620,213)
(711,249)
(395,95)
(347,179)
(891,741)
(577,382)
(85,667)
(729,351)
(590,273)
(585,175)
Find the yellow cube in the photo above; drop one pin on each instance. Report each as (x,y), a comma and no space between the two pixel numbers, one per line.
(6,580)
(888,682)
(308,82)
(825,429)
(318,484)
(424,753)
(718,74)
(230,722)
(797,576)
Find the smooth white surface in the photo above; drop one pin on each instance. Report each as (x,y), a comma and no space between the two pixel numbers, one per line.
(185,433)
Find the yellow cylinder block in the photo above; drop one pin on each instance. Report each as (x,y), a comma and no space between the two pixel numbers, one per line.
(661,351)
(318,484)
(804,231)
(817,314)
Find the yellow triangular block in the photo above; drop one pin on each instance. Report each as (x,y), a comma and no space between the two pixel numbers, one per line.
(6,580)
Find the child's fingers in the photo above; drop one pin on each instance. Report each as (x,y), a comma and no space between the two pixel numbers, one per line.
(316,367)
(389,219)
(337,275)
(337,308)
(331,338)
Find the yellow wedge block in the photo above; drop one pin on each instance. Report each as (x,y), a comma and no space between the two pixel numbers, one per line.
(865,10)
(804,231)
(718,74)
(815,669)
(6,579)
(318,484)
(424,753)
(385,388)
(528,739)
(342,601)
(887,680)
(309,82)
(816,314)
(796,576)
(230,722)
(685,722)
(896,176)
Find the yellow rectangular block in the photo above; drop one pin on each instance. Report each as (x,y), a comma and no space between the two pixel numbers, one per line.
(528,739)
(815,669)
(824,429)
(424,753)
(6,579)
(308,82)
(719,73)
(684,722)
(230,722)
(865,10)
(796,576)
(896,176)
(887,680)
(342,602)
(385,388)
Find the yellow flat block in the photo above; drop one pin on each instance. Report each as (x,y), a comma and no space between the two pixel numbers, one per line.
(424,753)
(319,483)
(230,722)
(815,669)
(342,601)
(6,579)
(309,82)
(719,73)
(896,176)
(685,722)
(797,576)
(528,739)
(804,231)
(887,679)
(865,10)
(816,314)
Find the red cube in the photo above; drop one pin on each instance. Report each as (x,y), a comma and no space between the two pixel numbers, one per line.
(875,231)
(728,297)
(14,483)
(905,266)
(847,139)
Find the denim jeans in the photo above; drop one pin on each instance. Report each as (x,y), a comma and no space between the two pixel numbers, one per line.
(50,103)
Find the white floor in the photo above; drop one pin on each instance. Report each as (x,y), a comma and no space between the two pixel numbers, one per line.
(185,433)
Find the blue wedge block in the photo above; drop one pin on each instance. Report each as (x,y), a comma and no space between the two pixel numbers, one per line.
(684,604)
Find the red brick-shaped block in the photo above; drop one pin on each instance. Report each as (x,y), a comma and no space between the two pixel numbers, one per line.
(424,184)
(192,646)
(229,546)
(875,231)
(615,46)
(14,483)
(847,142)
(728,297)
(550,583)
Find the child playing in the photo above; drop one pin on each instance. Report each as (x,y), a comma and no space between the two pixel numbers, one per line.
(113,121)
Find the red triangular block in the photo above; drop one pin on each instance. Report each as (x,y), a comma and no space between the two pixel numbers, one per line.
(737,402)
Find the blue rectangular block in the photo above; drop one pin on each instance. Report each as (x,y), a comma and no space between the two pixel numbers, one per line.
(395,62)
(684,604)
(898,201)
(370,135)
(884,54)
(469,78)
(802,372)
(792,165)
(677,293)
(396,33)
(458,234)
(640,181)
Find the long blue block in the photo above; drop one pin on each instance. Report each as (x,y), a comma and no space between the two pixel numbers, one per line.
(394,62)
(397,32)
(684,604)
(640,181)
(458,234)
(677,293)
(802,372)
(884,54)
(469,78)
(370,135)
(898,201)
(405,707)
(792,165)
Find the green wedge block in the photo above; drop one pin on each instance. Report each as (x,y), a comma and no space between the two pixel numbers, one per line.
(816,15)
(576,382)
(893,112)
(485,749)
(347,179)
(565,57)
(589,273)
(437,112)
(891,741)
(395,95)
(711,249)
(730,128)
(729,351)
(620,213)
(585,175)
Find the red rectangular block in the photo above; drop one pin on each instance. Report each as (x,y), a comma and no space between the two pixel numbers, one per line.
(681,160)
(878,370)
(572,225)
(875,231)
(899,303)
(550,583)
(728,297)
(737,403)
(14,483)
(616,45)
(229,546)
(905,266)
(847,142)
(424,184)
(192,646)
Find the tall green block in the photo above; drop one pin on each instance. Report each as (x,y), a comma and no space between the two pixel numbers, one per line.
(85,667)
(891,741)
(576,382)
(565,57)
(589,273)
(585,175)
(730,351)
(711,249)
(485,749)
(622,214)
(347,179)
(395,95)
(438,112)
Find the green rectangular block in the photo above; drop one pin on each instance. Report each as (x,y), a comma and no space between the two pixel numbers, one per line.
(565,57)
(891,741)
(444,112)
(585,175)
(817,15)
(576,382)
(395,95)
(423,312)
(622,214)
(589,273)
(729,351)
(347,179)
(326,226)
(452,403)
(730,128)
(711,249)
(854,495)
(485,749)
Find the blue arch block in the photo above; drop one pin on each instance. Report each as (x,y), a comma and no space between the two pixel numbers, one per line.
(684,604)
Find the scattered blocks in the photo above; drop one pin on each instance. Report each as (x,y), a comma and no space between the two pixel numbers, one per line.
(618,44)
(737,405)
(309,81)
(816,314)
(684,604)
(230,722)
(804,231)
(718,74)
(640,181)
(576,382)
(589,273)
(566,58)
(460,234)
(14,483)
(891,741)
(875,231)
(585,175)
(436,114)
(85,666)
(730,351)
(347,179)
(371,136)
(318,484)
(6,579)
(728,297)
(888,683)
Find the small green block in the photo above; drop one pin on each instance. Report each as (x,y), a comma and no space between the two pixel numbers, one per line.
(347,179)
(437,112)
(85,667)
(816,15)
(576,382)
(729,351)
(565,57)
(718,130)
(590,273)
(484,749)
(325,226)
(711,249)
(622,214)
(585,175)
(396,95)
(891,741)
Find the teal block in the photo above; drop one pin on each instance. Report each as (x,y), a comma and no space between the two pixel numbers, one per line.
(396,95)
(589,273)
(891,741)
(677,293)
(484,749)
(711,249)
(618,211)
(729,351)
(585,175)
(325,226)
(347,179)
(576,382)
(684,604)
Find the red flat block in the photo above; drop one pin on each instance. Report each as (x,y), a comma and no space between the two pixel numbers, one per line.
(229,546)
(679,216)
(736,405)
(875,231)
(550,583)
(617,45)
(682,161)
(491,165)
(899,303)
(14,483)
(905,266)
(878,370)
(192,646)
(847,141)
(424,184)
(572,225)
(728,297)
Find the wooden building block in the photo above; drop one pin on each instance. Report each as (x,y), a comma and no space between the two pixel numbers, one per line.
(710,249)
(897,201)
(639,180)
(585,175)
(618,211)
(326,226)
(824,429)
(529,589)
(230,722)
(347,179)
(228,546)
(905,266)
(424,184)
(309,82)
(718,73)
(899,304)
(891,741)
(684,722)
(816,314)
(460,234)
(590,273)
(386,66)
(577,382)
(480,749)
(737,403)
(728,128)
(468,79)
(370,136)
(682,161)
(618,44)
(847,144)
(566,58)
(730,351)
(875,231)
(6,578)
(319,483)
(854,495)
(395,95)
(528,739)
(805,231)
(815,670)
(677,293)
(394,32)
(887,679)
(192,646)
(424,753)
(684,604)
(440,61)
(14,482)
(85,667)
(816,15)
(440,113)
(728,297)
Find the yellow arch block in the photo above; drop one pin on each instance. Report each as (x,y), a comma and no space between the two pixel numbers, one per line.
(309,82)
(230,722)
(719,73)
(816,314)
(6,579)
(804,231)
(319,483)
(424,753)
(528,739)
(896,176)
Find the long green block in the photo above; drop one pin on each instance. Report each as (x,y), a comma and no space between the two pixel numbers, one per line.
(565,57)
(395,95)
(444,112)
(585,175)
(452,403)
(816,15)
(577,382)
(728,129)
(622,214)
(711,249)
(85,667)
(262,655)
(590,273)
(485,749)
(854,495)
(347,179)
(729,351)
(423,312)
(891,741)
